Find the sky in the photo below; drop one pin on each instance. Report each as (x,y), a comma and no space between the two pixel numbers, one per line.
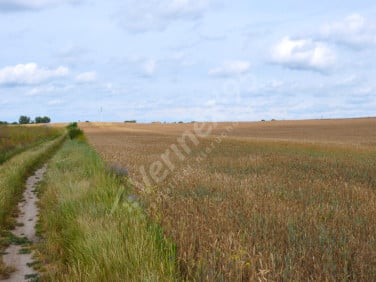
(185,60)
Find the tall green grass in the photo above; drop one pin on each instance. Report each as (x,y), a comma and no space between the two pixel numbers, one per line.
(93,228)
(15,139)
(14,172)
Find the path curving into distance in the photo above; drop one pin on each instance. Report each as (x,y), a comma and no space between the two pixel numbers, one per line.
(26,229)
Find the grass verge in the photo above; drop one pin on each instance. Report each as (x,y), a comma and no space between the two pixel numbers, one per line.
(93,228)
(12,178)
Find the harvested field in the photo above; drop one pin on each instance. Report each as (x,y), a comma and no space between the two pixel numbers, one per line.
(360,131)
(276,200)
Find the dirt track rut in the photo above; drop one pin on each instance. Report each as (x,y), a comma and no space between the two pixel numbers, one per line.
(26,228)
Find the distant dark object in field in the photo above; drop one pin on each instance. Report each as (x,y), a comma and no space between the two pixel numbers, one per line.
(130,121)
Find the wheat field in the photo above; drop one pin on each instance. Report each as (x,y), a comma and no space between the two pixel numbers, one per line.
(277,200)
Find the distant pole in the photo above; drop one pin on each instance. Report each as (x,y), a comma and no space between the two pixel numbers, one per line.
(101,114)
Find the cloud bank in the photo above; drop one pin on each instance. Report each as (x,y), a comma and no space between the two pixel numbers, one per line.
(29,73)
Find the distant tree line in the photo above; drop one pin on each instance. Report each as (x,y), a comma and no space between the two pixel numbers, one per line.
(42,120)
(28,120)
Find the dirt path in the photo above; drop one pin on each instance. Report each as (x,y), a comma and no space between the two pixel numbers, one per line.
(26,220)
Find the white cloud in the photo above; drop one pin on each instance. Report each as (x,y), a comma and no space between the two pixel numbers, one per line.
(14,5)
(86,77)
(151,15)
(149,67)
(303,54)
(29,73)
(354,31)
(230,68)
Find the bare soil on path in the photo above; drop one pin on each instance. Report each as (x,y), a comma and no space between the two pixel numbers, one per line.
(26,229)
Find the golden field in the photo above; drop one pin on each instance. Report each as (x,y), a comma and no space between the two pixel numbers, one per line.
(281,200)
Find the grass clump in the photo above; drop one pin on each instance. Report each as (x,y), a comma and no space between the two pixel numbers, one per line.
(24,251)
(92,233)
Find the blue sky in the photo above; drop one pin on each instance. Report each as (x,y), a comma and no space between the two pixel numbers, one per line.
(172,60)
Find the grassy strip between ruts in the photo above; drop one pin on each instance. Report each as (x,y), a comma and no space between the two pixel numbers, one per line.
(12,177)
(93,228)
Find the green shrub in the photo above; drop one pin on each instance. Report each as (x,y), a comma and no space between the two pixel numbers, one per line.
(75,133)
(72,125)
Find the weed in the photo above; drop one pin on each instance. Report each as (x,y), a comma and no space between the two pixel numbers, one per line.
(32,277)
(24,251)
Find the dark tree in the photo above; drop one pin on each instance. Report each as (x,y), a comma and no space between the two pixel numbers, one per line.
(24,120)
(46,120)
(42,120)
